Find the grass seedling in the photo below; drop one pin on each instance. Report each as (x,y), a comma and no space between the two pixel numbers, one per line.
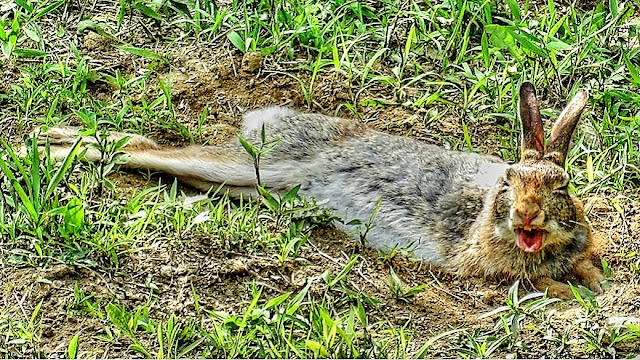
(517,309)
(110,150)
(256,152)
(397,288)
(365,227)
(72,349)
(40,180)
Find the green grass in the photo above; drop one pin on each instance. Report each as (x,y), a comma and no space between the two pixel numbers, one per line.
(55,210)
(458,60)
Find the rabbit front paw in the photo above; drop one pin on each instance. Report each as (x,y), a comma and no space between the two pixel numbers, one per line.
(560,290)
(589,275)
(554,288)
(594,281)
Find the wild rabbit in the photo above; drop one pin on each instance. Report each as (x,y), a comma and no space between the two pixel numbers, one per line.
(469,213)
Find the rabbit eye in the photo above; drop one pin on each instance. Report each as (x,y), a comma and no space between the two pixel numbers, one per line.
(564,185)
(562,188)
(506,187)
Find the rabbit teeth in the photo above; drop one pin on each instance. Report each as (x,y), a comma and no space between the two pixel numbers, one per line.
(530,240)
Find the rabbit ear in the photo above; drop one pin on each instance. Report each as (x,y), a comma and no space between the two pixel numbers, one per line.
(564,126)
(532,130)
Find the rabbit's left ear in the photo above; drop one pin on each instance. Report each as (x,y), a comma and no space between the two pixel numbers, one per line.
(532,130)
(563,128)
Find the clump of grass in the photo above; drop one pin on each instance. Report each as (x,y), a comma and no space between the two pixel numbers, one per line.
(21,331)
(29,203)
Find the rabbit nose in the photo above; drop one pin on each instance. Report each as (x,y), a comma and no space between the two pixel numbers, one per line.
(529,213)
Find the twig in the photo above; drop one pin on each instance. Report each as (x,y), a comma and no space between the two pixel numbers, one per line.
(439,287)
(323,254)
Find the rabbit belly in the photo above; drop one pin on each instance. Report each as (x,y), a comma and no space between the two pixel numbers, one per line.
(394,226)
(430,197)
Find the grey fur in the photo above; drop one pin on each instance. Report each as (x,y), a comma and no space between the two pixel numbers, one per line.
(421,185)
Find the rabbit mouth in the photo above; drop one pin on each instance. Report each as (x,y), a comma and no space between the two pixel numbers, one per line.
(530,240)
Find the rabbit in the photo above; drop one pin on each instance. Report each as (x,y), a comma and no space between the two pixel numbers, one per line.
(471,214)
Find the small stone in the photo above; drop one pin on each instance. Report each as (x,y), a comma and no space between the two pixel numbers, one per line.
(237,266)
(168,271)
(94,41)
(490,297)
(251,62)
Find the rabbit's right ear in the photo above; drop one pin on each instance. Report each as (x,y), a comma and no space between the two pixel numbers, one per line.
(532,129)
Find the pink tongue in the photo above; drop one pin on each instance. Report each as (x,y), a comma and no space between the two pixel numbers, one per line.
(530,241)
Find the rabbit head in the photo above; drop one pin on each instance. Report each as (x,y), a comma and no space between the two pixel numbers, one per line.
(533,206)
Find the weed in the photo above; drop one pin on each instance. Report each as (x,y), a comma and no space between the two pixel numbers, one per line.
(33,199)
(20,332)
(84,304)
(110,151)
(475,345)
(517,309)
(256,152)
(398,290)
(294,326)
(333,281)
(365,227)
(72,350)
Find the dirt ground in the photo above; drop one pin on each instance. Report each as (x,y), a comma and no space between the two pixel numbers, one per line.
(229,84)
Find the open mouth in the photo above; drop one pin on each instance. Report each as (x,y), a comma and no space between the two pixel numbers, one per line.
(530,240)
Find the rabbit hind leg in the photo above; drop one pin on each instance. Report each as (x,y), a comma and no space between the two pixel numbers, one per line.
(67,135)
(234,192)
(200,167)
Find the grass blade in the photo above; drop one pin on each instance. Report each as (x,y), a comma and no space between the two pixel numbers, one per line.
(141,52)
(66,164)
(26,201)
(343,273)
